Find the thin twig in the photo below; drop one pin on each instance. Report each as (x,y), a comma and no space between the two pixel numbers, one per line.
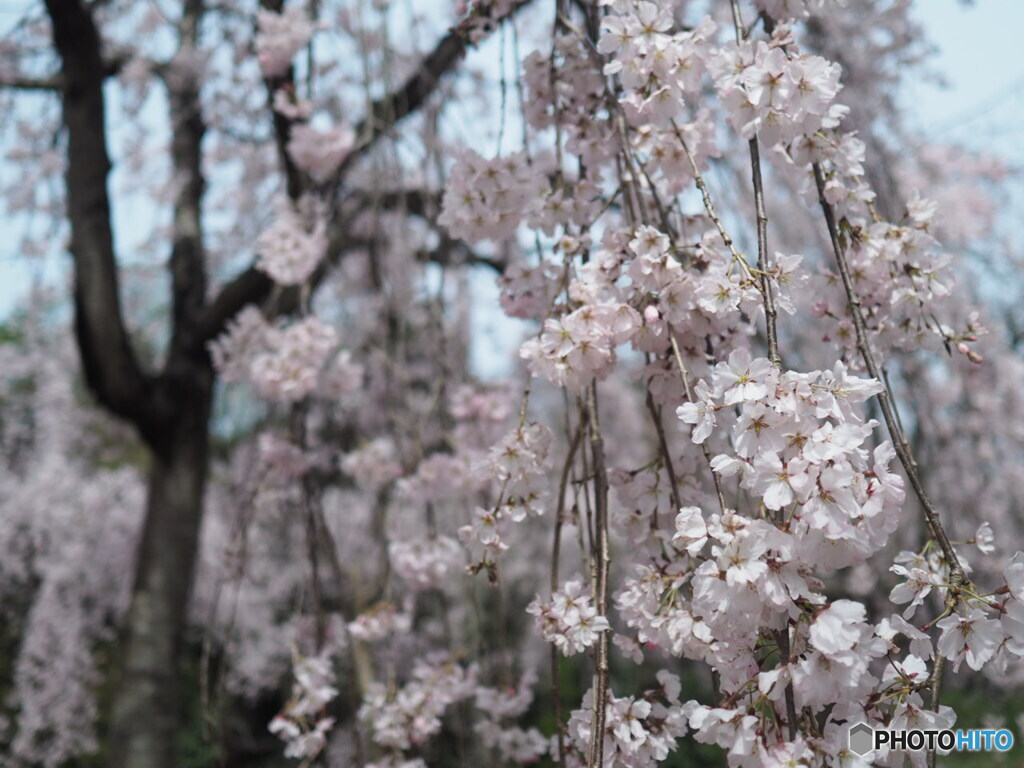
(771,314)
(772,335)
(782,637)
(935,683)
(709,207)
(603,558)
(685,377)
(666,457)
(931,515)
(556,548)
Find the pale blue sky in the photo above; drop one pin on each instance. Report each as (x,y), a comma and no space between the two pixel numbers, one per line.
(982,57)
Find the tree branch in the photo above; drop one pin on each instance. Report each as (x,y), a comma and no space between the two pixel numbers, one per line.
(294,182)
(187,262)
(111,368)
(391,109)
(20,83)
(450,252)
(254,287)
(957,577)
(56,83)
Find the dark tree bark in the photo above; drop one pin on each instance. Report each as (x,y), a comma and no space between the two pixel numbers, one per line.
(108,360)
(147,708)
(171,411)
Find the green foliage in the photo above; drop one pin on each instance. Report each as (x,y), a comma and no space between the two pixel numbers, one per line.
(984,705)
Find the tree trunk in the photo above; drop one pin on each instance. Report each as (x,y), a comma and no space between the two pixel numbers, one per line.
(147,710)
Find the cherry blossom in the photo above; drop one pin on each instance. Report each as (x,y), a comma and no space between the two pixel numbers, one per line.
(280,37)
(288,251)
(364,469)
(569,620)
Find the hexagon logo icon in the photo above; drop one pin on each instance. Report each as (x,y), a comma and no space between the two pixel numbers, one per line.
(861,739)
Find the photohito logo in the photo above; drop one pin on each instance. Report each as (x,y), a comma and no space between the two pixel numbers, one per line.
(864,739)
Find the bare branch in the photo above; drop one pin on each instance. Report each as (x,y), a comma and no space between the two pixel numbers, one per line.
(250,287)
(455,252)
(20,83)
(111,67)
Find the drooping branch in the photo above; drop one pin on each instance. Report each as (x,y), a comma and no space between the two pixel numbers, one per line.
(771,334)
(931,515)
(957,575)
(602,558)
(110,365)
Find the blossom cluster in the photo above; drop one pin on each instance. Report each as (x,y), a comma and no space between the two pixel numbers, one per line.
(288,251)
(320,153)
(565,89)
(900,275)
(381,621)
(372,465)
(518,465)
(658,67)
(302,724)
(798,448)
(490,199)
(775,95)
(639,731)
(289,368)
(569,619)
(497,728)
(574,350)
(639,288)
(412,714)
(528,291)
(284,363)
(280,36)
(425,563)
